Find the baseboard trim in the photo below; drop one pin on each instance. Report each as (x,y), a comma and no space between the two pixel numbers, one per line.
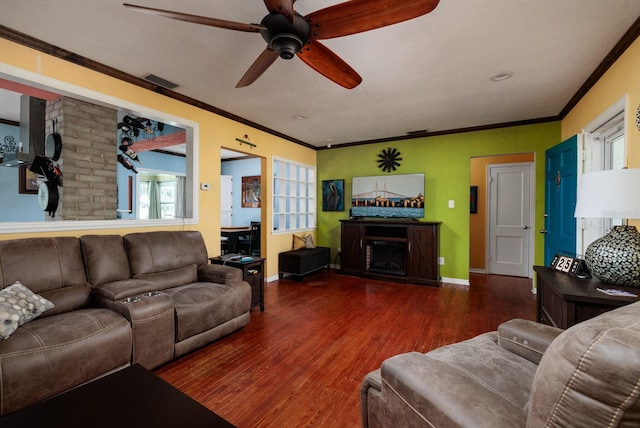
(456,281)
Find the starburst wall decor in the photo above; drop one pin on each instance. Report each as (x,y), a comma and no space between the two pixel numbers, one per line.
(389,160)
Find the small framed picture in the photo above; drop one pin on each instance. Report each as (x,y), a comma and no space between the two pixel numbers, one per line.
(333,195)
(251,192)
(473,200)
(27,181)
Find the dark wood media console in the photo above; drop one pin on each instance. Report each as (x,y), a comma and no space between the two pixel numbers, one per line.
(393,250)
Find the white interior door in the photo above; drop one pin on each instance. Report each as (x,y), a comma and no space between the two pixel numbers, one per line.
(509,219)
(226,200)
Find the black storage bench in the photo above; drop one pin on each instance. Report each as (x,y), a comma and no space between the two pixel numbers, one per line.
(303,261)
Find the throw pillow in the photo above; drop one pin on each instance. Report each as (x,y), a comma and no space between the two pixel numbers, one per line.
(303,242)
(19,305)
(298,242)
(308,242)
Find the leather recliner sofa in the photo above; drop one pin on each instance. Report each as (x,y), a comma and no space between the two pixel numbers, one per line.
(140,298)
(524,375)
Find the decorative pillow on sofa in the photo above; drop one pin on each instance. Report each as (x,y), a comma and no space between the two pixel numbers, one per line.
(19,305)
(303,242)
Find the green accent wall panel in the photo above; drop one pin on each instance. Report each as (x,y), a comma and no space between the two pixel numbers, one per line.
(445,161)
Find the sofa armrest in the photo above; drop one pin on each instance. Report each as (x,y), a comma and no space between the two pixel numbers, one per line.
(118,290)
(220,274)
(527,339)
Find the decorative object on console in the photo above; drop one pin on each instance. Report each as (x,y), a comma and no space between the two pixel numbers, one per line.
(614,258)
(389,159)
(571,265)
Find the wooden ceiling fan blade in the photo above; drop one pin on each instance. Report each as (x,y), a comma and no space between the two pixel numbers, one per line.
(259,66)
(357,16)
(330,65)
(283,7)
(197,19)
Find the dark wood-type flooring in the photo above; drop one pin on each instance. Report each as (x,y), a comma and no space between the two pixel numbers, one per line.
(300,363)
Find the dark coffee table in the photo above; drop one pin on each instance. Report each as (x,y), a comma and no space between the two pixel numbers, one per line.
(132,397)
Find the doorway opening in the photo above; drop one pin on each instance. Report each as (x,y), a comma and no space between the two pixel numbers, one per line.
(236,210)
(478,220)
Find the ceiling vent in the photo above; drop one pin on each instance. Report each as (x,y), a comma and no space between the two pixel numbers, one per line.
(156,80)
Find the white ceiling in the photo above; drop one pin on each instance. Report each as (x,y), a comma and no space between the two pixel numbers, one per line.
(432,72)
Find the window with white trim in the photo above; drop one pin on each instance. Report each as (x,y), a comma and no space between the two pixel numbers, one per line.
(294,196)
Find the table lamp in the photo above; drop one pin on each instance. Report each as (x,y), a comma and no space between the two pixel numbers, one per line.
(614,258)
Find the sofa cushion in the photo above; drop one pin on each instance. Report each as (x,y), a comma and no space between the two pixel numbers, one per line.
(19,305)
(105,258)
(60,274)
(171,278)
(152,252)
(590,376)
(50,355)
(494,382)
(203,305)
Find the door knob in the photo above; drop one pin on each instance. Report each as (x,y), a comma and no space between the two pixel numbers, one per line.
(525,227)
(543,231)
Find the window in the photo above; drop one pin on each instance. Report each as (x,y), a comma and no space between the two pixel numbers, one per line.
(159,195)
(605,148)
(294,196)
(611,135)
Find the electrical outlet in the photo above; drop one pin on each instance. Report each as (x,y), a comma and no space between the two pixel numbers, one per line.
(440,260)
(452,203)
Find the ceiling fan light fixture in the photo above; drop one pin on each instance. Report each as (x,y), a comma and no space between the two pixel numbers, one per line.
(286,44)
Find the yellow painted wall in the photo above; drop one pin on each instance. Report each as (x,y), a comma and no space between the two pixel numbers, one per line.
(622,79)
(478,221)
(215,132)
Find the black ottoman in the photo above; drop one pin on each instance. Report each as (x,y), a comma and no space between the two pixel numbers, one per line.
(303,261)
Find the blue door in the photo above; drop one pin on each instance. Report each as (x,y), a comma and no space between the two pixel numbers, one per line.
(561,178)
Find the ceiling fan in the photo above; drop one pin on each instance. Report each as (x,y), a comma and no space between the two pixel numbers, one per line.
(288,33)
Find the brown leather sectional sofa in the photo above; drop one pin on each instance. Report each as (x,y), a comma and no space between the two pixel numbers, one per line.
(140,298)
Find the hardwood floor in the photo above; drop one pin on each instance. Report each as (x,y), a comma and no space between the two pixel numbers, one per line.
(300,363)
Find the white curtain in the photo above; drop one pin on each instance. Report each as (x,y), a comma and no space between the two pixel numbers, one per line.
(154,199)
(181,201)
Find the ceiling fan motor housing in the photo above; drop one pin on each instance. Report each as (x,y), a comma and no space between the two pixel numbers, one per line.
(286,37)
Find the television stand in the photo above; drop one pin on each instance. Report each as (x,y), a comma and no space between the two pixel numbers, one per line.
(399,250)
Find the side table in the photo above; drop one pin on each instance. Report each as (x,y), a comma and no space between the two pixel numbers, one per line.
(564,300)
(252,272)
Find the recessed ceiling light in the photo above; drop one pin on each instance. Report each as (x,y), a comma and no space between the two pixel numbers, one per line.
(300,116)
(501,76)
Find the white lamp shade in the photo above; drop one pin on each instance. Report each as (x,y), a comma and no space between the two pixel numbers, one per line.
(609,194)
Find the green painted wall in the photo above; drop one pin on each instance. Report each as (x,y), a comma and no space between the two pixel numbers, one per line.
(445,162)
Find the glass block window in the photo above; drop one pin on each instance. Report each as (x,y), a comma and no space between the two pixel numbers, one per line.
(294,196)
